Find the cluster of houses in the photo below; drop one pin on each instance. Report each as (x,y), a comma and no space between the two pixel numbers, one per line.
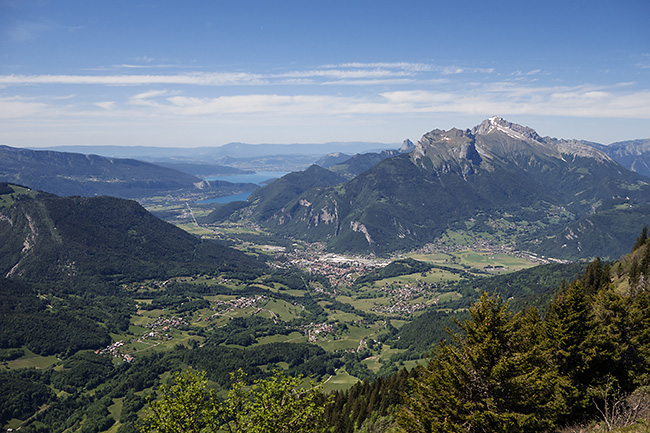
(340,270)
(158,327)
(482,245)
(162,324)
(166,323)
(223,307)
(399,308)
(478,245)
(153,334)
(114,350)
(238,303)
(402,293)
(314,331)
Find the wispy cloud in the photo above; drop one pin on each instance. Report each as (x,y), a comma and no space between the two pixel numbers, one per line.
(346,73)
(314,95)
(106,105)
(506,98)
(360,74)
(21,31)
(499,97)
(17,107)
(413,67)
(644,62)
(503,98)
(203,79)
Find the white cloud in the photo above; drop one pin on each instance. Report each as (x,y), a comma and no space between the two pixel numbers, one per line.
(147,95)
(411,67)
(205,79)
(346,73)
(500,97)
(373,82)
(16,107)
(359,74)
(297,105)
(106,105)
(301,99)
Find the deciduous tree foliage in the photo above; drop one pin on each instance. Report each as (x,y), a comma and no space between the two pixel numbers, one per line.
(275,405)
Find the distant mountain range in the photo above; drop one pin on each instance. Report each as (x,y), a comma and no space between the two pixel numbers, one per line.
(632,154)
(69,174)
(230,151)
(498,180)
(359,163)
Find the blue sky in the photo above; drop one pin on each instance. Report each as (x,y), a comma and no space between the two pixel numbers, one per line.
(204,73)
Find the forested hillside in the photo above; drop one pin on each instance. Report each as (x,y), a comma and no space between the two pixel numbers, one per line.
(86,242)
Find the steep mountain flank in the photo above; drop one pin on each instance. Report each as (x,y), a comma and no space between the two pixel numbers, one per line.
(265,202)
(498,178)
(81,241)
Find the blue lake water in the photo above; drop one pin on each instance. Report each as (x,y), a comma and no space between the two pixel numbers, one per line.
(257,178)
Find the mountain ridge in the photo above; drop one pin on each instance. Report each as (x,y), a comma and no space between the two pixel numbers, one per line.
(497,177)
(96,241)
(70,174)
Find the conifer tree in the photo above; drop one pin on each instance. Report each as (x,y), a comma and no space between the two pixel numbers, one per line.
(492,378)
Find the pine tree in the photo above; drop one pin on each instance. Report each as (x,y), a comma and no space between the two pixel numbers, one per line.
(492,378)
(566,328)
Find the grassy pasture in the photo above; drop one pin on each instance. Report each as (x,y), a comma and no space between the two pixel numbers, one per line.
(32,360)
(341,381)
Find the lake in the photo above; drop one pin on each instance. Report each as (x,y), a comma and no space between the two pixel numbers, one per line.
(257,178)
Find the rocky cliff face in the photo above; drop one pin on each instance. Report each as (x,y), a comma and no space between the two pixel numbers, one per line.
(448,151)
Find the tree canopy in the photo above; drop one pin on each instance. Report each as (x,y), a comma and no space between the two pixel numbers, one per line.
(275,405)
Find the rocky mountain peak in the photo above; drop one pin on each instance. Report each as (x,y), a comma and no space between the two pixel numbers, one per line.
(495,139)
(407,146)
(498,124)
(453,150)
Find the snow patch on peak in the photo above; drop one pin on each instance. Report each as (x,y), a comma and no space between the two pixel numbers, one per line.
(498,124)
